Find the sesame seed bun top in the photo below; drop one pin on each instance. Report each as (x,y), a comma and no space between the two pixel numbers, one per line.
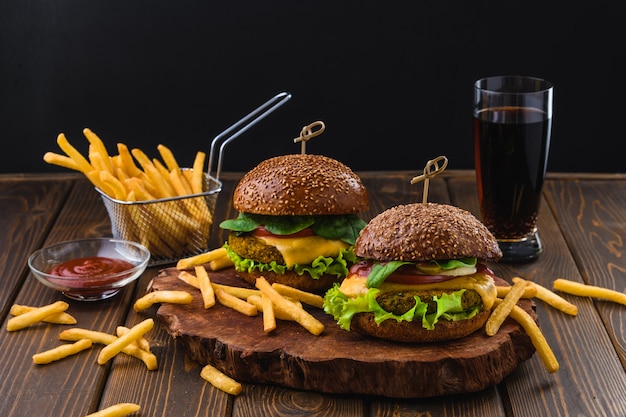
(422,232)
(300,184)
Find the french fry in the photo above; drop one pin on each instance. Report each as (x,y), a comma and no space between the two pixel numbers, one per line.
(269,318)
(71,152)
(109,351)
(148,358)
(119,192)
(117,410)
(198,173)
(180,184)
(255,299)
(306,297)
(206,289)
(201,259)
(235,303)
(165,296)
(501,312)
(61,160)
(138,186)
(299,315)
(58,318)
(583,290)
(168,157)
(141,342)
(536,336)
(552,299)
(162,187)
(35,316)
(61,352)
(96,143)
(165,174)
(238,292)
(98,162)
(77,333)
(529,292)
(220,263)
(279,313)
(94,177)
(128,163)
(190,279)
(220,380)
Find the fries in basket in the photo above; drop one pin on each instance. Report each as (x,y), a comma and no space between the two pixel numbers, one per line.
(166,208)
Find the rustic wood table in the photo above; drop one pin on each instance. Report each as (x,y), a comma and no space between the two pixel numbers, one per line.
(582,224)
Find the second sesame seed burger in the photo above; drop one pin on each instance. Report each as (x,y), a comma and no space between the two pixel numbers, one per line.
(421,277)
(298,221)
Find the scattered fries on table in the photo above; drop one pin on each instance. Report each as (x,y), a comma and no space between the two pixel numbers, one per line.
(36,315)
(154,297)
(117,410)
(56,318)
(61,352)
(509,295)
(132,349)
(220,380)
(583,290)
(551,298)
(503,309)
(109,351)
(536,336)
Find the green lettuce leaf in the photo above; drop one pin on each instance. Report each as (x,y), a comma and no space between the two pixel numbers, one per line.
(338,266)
(343,308)
(380,272)
(341,227)
(456,263)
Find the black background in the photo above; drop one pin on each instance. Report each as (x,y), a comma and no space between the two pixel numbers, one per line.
(392,80)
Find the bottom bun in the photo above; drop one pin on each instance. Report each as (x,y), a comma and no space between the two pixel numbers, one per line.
(414,332)
(293,279)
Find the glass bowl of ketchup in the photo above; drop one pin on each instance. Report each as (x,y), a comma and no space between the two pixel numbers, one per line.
(89,269)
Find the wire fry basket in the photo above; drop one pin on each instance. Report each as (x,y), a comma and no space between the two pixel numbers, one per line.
(179,227)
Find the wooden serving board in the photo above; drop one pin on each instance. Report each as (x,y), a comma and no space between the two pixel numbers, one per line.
(337,361)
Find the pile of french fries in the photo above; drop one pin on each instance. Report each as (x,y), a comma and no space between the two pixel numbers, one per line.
(274,301)
(135,183)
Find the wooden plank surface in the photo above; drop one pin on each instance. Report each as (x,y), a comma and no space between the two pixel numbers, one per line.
(80,377)
(592,215)
(582,224)
(29,208)
(595,354)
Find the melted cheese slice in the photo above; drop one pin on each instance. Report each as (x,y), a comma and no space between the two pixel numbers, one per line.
(354,286)
(304,250)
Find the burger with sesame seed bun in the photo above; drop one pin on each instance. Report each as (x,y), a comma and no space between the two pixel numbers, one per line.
(421,276)
(298,221)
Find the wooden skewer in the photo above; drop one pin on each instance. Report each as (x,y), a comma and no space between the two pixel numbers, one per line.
(431,170)
(307,133)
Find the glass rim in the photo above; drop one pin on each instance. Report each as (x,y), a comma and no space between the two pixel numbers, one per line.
(545,85)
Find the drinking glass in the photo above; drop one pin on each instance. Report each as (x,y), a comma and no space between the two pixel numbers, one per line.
(512,130)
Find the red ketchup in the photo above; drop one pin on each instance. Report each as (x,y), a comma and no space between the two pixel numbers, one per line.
(92,271)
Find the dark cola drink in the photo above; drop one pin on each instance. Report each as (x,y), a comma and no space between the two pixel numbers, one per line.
(511,151)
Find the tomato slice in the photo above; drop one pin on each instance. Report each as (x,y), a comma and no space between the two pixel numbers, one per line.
(417,279)
(261,231)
